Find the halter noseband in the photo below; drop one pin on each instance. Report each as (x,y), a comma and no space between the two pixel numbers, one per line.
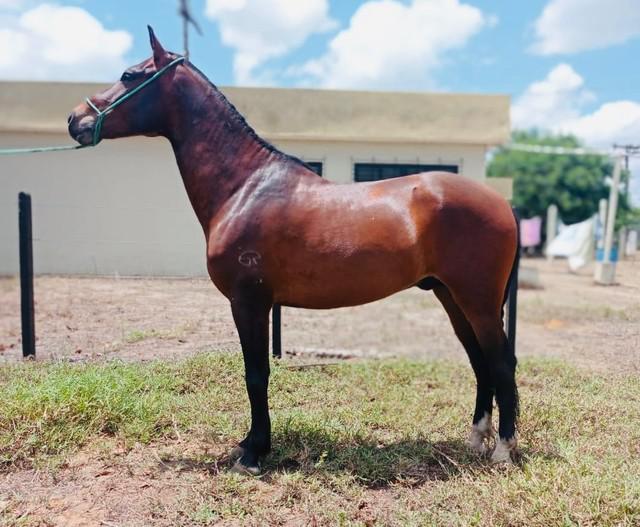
(102,114)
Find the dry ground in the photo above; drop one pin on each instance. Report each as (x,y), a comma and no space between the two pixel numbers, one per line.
(142,319)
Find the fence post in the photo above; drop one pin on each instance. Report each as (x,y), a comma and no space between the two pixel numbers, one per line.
(26,276)
(277,330)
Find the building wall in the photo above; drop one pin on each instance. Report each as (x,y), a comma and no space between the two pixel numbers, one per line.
(121,208)
(338,157)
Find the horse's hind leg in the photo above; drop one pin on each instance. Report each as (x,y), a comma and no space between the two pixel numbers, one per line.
(481,306)
(481,429)
(501,363)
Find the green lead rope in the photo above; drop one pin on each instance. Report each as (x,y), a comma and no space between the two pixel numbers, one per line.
(35,150)
(101,115)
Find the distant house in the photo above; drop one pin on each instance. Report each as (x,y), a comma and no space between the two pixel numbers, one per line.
(120,208)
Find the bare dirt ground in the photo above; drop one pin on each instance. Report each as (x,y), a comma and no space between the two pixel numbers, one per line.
(145,319)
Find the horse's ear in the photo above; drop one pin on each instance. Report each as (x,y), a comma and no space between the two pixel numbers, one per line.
(159,54)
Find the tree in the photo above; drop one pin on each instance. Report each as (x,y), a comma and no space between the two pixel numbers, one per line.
(574,183)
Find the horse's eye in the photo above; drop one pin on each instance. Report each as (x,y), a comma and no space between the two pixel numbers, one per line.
(126,76)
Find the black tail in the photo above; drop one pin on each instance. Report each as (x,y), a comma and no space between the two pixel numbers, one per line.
(511,291)
(511,296)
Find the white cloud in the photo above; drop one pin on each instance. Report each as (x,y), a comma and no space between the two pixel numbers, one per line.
(51,42)
(556,99)
(571,26)
(260,30)
(393,45)
(557,104)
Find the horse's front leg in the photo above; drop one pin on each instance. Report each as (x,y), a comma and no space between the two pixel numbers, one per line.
(251,317)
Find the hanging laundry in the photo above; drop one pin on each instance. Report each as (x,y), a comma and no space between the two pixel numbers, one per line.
(530,232)
(575,242)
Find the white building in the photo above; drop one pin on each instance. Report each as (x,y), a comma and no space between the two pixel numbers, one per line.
(121,208)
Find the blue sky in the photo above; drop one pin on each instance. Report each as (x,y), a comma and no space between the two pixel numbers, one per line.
(494,60)
(569,65)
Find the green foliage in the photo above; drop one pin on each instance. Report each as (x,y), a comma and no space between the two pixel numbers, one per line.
(574,183)
(628,216)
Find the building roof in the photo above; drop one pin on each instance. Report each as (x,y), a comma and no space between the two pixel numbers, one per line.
(298,114)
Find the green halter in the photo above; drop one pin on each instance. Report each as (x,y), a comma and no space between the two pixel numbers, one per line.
(101,115)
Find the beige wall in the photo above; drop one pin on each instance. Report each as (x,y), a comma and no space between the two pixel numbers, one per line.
(118,208)
(299,114)
(121,208)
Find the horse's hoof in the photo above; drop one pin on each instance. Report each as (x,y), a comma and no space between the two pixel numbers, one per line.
(236,452)
(239,468)
(478,447)
(502,452)
(481,434)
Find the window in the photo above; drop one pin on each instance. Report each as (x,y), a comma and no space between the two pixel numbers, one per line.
(316,166)
(377,171)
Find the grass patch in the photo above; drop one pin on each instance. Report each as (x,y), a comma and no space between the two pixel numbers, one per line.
(138,335)
(354,444)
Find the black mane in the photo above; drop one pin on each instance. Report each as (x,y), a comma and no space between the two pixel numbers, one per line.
(239,119)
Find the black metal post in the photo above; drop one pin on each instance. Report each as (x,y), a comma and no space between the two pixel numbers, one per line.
(276,322)
(26,276)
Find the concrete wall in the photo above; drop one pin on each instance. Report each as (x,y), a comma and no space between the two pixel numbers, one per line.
(118,208)
(121,208)
(299,114)
(339,157)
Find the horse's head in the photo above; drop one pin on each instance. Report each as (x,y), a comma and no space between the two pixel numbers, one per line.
(135,105)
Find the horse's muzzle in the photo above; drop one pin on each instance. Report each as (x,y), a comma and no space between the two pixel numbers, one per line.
(81,129)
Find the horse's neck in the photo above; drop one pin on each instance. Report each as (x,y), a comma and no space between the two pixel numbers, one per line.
(216,152)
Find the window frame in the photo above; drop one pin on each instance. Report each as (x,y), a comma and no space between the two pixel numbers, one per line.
(405,169)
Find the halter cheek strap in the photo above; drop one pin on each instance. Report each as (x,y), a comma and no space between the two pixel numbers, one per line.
(102,114)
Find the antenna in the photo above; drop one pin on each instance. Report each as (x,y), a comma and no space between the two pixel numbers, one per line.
(185,12)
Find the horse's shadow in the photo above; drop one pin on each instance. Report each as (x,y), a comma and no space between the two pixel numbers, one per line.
(411,462)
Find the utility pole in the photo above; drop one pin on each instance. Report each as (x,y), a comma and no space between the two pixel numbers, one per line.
(605,271)
(629,150)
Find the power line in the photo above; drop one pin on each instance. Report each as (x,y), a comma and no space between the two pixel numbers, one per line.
(557,150)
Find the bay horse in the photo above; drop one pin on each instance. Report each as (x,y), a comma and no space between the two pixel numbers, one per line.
(277,233)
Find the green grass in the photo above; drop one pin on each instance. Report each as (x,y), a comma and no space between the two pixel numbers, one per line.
(354,444)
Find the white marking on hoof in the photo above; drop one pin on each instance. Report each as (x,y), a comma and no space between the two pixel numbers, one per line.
(239,468)
(503,450)
(236,452)
(481,433)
